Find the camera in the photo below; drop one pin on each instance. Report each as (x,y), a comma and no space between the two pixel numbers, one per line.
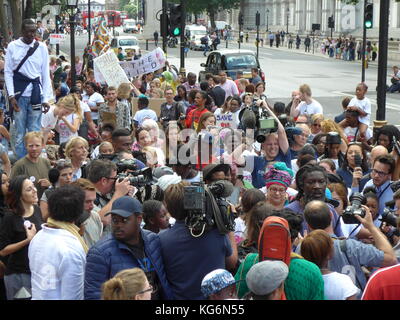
(207,207)
(354,209)
(389,216)
(258,118)
(395,186)
(165,119)
(138,178)
(126,164)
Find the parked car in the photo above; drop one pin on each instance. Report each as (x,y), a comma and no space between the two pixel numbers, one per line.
(231,61)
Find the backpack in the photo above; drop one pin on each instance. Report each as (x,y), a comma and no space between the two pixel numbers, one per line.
(274,242)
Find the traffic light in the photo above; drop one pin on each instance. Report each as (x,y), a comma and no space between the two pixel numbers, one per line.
(240,19)
(257,18)
(175,18)
(369,16)
(164,25)
(331,23)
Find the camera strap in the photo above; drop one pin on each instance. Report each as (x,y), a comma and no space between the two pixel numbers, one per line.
(383,191)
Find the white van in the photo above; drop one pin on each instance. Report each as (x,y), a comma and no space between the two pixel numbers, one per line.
(127,43)
(194,34)
(130,26)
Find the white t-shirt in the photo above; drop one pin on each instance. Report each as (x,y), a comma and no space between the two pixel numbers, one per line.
(64,131)
(338,286)
(351,133)
(225,120)
(365,105)
(49,119)
(92,101)
(309,109)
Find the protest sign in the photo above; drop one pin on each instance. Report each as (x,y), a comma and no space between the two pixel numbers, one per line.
(154,104)
(107,69)
(150,62)
(57,38)
(226,120)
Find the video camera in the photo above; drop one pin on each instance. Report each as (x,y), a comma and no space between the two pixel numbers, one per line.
(207,207)
(354,209)
(256,117)
(126,164)
(138,178)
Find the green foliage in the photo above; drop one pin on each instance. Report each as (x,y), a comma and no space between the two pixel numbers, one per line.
(196,6)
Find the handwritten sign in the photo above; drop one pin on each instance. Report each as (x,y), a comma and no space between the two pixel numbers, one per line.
(56,38)
(150,62)
(226,120)
(107,69)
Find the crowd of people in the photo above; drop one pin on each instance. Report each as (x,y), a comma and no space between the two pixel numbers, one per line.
(117,193)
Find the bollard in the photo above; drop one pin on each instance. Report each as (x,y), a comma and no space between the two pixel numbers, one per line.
(226,43)
(147,44)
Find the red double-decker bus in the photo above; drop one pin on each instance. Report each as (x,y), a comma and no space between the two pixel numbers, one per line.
(85,18)
(113,18)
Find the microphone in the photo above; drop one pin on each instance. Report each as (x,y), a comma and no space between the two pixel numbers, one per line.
(248,119)
(221,188)
(54,174)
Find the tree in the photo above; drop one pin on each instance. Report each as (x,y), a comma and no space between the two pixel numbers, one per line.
(3,22)
(210,6)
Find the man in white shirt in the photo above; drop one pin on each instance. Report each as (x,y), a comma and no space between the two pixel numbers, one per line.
(305,104)
(57,253)
(30,86)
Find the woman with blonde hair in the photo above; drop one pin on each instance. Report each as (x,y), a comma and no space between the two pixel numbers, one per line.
(77,150)
(329,125)
(65,117)
(129,284)
(315,126)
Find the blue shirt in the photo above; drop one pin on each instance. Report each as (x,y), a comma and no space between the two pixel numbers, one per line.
(260,163)
(384,193)
(188,259)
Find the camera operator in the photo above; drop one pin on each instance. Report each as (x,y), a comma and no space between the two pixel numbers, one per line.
(170,110)
(275,148)
(103,174)
(181,251)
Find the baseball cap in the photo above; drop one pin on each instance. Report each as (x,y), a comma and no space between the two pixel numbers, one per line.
(264,277)
(214,167)
(215,281)
(125,207)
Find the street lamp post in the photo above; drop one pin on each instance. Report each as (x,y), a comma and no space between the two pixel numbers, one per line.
(267,18)
(287,20)
(72,4)
(57,7)
(89,25)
